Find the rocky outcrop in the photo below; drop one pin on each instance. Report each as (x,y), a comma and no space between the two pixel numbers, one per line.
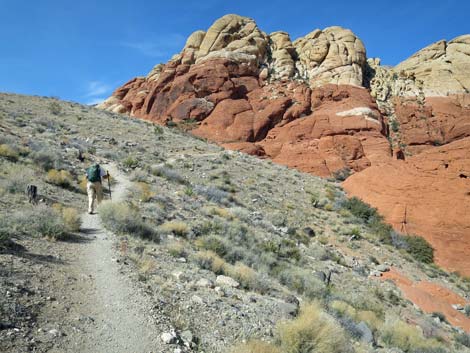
(427,194)
(319,105)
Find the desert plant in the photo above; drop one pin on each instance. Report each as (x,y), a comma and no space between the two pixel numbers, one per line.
(145,194)
(130,162)
(176,249)
(169,174)
(61,178)
(71,219)
(40,221)
(463,339)
(360,209)
(8,152)
(122,219)
(210,261)
(312,331)
(175,227)
(396,333)
(55,108)
(420,249)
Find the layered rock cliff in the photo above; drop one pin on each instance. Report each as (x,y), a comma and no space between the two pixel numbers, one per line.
(320,105)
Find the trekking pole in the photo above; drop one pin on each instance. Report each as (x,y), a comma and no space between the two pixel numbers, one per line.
(109,184)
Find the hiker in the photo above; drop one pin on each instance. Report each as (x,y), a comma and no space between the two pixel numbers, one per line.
(94,175)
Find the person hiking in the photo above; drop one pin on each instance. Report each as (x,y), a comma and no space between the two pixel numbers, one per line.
(94,175)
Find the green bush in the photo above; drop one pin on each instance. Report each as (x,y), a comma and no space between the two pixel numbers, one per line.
(361,210)
(420,249)
(61,178)
(120,218)
(463,339)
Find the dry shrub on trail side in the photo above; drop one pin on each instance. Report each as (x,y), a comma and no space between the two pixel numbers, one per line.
(312,331)
(175,227)
(122,219)
(256,346)
(245,275)
(61,178)
(396,333)
(70,216)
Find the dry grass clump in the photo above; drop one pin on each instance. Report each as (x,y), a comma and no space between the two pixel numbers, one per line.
(221,212)
(175,227)
(70,216)
(209,260)
(396,333)
(145,194)
(255,346)
(176,249)
(61,178)
(312,331)
(8,152)
(247,277)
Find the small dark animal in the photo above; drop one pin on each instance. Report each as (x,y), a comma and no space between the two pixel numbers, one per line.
(32,192)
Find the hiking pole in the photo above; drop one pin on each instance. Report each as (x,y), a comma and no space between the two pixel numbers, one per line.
(109,184)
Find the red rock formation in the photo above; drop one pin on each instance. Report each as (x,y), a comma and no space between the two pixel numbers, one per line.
(301,103)
(433,189)
(438,121)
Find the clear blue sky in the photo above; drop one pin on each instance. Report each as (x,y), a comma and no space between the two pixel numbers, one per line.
(82,50)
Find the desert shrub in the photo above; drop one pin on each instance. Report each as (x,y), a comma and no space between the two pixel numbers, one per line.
(360,209)
(139,175)
(214,194)
(169,174)
(16,179)
(467,310)
(130,162)
(302,281)
(175,227)
(55,108)
(342,174)
(71,219)
(463,339)
(245,275)
(61,178)
(40,221)
(396,333)
(219,211)
(420,249)
(144,193)
(312,331)
(255,346)
(122,219)
(210,261)
(213,243)
(8,152)
(342,308)
(176,249)
(46,160)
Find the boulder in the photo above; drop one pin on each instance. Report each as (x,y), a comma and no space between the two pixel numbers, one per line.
(225,281)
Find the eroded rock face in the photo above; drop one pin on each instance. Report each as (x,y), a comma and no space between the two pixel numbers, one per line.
(434,189)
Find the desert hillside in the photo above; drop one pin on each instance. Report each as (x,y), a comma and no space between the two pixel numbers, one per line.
(200,249)
(320,105)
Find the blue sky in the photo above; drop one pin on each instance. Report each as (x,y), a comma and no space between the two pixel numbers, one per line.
(83,50)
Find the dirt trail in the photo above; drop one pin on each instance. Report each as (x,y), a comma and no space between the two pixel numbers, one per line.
(116,310)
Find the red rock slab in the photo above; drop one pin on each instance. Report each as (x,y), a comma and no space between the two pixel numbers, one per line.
(438,121)
(433,190)
(431,297)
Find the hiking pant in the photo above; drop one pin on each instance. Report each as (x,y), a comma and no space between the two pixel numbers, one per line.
(95,192)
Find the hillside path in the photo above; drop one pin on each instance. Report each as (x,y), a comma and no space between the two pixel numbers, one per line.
(116,312)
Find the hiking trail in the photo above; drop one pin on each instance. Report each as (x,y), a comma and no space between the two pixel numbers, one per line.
(116,312)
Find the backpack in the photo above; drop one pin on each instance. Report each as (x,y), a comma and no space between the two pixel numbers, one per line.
(93,173)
